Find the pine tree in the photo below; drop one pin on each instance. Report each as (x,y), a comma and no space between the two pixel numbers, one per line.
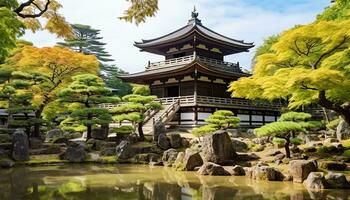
(87,41)
(135,106)
(89,91)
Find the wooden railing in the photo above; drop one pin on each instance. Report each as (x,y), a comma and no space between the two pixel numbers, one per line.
(190,101)
(187,59)
(170,62)
(168,112)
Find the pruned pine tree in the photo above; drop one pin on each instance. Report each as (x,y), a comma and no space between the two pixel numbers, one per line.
(17,97)
(219,120)
(135,107)
(89,91)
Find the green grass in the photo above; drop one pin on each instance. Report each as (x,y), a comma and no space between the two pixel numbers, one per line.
(346,143)
(44,159)
(108,159)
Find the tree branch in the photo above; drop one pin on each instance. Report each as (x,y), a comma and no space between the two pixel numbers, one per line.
(24,5)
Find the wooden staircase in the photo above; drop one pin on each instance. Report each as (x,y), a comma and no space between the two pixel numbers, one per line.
(164,116)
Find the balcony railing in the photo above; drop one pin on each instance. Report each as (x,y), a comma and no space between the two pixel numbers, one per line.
(188,59)
(218,101)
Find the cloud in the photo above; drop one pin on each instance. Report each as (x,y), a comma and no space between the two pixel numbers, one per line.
(250,20)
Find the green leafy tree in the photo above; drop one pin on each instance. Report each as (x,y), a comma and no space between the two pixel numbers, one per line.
(305,67)
(110,74)
(219,120)
(340,10)
(135,106)
(89,91)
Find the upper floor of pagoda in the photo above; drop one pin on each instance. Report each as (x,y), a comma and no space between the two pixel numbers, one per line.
(194,39)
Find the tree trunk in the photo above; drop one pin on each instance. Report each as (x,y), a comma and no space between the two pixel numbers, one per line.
(140,130)
(286,147)
(88,134)
(343,110)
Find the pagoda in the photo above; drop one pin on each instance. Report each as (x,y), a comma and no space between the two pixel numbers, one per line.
(193,79)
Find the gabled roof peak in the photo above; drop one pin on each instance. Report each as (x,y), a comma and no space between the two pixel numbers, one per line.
(194,20)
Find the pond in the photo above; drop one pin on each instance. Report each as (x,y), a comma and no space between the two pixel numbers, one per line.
(119,182)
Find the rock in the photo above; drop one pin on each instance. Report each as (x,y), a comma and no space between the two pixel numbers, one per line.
(158,129)
(247,156)
(95,144)
(99,133)
(330,140)
(163,142)
(179,159)
(273,153)
(60,140)
(300,169)
(191,160)
(337,180)
(239,145)
(36,143)
(175,140)
(6,163)
(169,157)
(338,145)
(238,170)
(124,150)
(75,153)
(108,152)
(147,158)
(261,140)
(133,138)
(54,133)
(52,149)
(20,146)
(218,148)
(316,181)
(266,173)
(212,169)
(309,149)
(250,133)
(279,157)
(333,165)
(343,130)
(185,143)
(5,138)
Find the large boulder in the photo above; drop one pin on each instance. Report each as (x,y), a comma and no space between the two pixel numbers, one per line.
(99,133)
(158,129)
(238,170)
(333,165)
(266,173)
(175,140)
(337,180)
(192,159)
(239,145)
(316,181)
(163,142)
(54,133)
(169,157)
(300,169)
(343,130)
(218,148)
(75,153)
(212,169)
(124,150)
(20,146)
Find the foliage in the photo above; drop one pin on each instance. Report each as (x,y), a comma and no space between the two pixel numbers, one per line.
(347,153)
(109,74)
(295,116)
(312,125)
(87,41)
(223,119)
(340,10)
(135,106)
(306,67)
(140,10)
(279,129)
(334,123)
(296,141)
(266,47)
(10,28)
(203,130)
(88,90)
(328,150)
(141,90)
(124,130)
(279,141)
(255,147)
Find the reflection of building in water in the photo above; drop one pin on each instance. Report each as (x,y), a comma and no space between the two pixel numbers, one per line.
(193,79)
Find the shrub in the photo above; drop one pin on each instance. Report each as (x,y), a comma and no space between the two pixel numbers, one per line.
(329,150)
(347,153)
(255,147)
(296,141)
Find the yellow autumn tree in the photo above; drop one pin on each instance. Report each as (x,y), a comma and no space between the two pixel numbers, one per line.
(58,65)
(308,64)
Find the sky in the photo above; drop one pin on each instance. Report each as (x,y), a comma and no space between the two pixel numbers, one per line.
(248,20)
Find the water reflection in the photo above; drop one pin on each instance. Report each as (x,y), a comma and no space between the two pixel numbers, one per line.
(143,182)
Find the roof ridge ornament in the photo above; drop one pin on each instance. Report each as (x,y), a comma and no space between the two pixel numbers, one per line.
(194,20)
